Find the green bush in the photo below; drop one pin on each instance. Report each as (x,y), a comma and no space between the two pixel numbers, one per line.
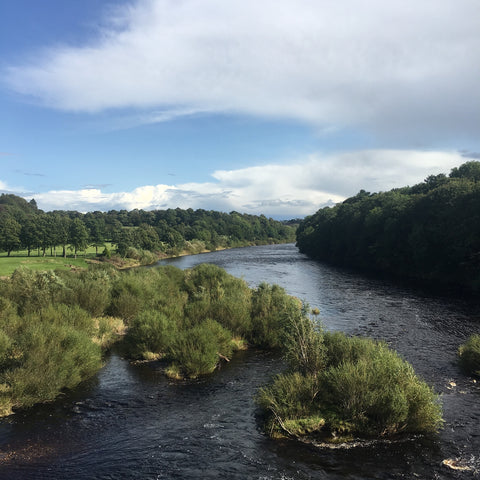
(151,332)
(64,315)
(363,388)
(469,354)
(46,359)
(304,344)
(31,290)
(271,310)
(89,289)
(212,293)
(290,398)
(196,351)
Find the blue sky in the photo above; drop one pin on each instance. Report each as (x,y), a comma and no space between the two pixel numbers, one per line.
(275,107)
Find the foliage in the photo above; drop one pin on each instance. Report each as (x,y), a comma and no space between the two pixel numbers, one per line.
(151,332)
(215,294)
(194,318)
(358,387)
(136,234)
(48,342)
(430,232)
(197,350)
(271,311)
(469,354)
(44,353)
(304,344)
(290,398)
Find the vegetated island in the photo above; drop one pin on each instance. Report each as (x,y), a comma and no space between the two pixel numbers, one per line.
(469,355)
(125,238)
(54,327)
(429,232)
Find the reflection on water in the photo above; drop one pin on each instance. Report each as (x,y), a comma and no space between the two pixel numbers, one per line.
(131,422)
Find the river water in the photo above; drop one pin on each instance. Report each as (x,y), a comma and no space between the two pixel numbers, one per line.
(131,422)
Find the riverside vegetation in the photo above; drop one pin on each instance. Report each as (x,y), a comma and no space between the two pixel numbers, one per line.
(139,236)
(339,387)
(469,354)
(54,327)
(428,232)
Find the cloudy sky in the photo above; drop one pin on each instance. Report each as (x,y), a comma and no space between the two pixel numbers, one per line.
(274,106)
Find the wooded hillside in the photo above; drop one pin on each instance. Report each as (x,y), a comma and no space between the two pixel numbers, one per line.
(430,231)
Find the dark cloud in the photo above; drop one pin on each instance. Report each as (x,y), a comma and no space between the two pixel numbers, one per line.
(474,155)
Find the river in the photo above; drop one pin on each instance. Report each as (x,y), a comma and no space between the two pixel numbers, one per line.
(131,422)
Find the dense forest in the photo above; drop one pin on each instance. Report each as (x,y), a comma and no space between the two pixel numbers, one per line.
(428,232)
(25,227)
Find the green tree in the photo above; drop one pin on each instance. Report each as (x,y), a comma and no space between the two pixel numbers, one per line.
(29,233)
(9,233)
(96,227)
(78,235)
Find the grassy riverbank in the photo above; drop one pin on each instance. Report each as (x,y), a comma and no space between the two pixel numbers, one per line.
(134,258)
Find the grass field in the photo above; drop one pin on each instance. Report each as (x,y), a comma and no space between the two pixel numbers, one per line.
(21,259)
(9,264)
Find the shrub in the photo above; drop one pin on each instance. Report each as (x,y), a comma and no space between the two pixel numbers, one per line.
(213,293)
(109,330)
(64,315)
(304,344)
(89,289)
(363,388)
(31,290)
(270,313)
(290,397)
(47,358)
(150,332)
(469,354)
(196,351)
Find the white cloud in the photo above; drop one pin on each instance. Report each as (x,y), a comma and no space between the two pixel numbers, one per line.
(409,67)
(288,190)
(6,188)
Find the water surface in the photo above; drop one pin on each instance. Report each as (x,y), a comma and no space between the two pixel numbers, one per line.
(131,422)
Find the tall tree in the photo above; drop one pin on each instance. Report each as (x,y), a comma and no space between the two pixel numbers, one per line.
(9,233)
(78,237)
(29,234)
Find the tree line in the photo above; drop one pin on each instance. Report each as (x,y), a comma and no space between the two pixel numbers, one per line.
(23,226)
(429,232)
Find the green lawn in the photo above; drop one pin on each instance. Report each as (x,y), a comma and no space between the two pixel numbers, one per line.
(20,258)
(9,264)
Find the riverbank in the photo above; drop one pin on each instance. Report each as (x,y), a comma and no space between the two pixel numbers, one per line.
(40,263)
